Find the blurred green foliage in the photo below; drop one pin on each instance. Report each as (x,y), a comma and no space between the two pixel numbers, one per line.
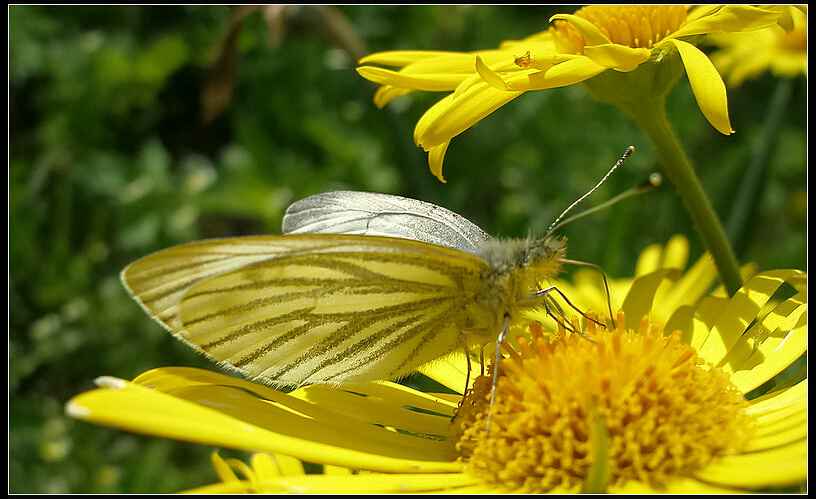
(111,159)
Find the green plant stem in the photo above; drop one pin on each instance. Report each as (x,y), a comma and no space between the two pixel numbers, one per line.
(651,117)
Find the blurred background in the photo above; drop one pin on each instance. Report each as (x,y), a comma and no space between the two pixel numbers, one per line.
(136,128)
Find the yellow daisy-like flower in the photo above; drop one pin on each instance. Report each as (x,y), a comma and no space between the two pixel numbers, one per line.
(578,48)
(781,49)
(632,410)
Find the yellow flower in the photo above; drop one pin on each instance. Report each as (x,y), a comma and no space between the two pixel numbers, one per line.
(578,48)
(633,410)
(782,50)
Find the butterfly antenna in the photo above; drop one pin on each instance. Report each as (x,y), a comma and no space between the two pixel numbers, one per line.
(654,181)
(628,152)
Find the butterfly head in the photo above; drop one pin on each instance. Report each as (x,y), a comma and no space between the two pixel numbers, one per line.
(536,257)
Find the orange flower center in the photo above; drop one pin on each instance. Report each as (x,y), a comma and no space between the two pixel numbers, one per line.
(663,413)
(632,26)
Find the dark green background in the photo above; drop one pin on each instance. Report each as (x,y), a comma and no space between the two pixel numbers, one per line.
(110,160)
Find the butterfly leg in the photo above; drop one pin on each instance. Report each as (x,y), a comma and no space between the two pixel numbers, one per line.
(467,358)
(481,360)
(545,293)
(499,341)
(605,283)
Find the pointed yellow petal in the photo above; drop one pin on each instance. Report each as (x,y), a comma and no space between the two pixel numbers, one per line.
(429,82)
(385,403)
(707,86)
(728,19)
(774,467)
(639,301)
(742,309)
(692,286)
(566,73)
(372,483)
(265,466)
(241,467)
(335,470)
(237,414)
(490,76)
(676,486)
(648,260)
(449,372)
(778,400)
(675,254)
(454,116)
(592,35)
(699,11)
(770,346)
(222,469)
(401,58)
(223,488)
(460,62)
(620,57)
(436,158)
(430,116)
(387,93)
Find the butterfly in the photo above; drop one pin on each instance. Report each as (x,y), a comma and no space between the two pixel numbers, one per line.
(361,286)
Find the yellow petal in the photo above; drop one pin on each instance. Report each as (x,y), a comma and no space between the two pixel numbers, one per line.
(335,470)
(222,469)
(691,287)
(742,309)
(638,302)
(452,117)
(385,403)
(592,35)
(676,486)
(699,11)
(783,425)
(566,73)
(648,260)
(619,57)
(401,58)
(429,82)
(708,310)
(237,414)
(461,62)
(449,371)
(436,158)
(387,93)
(675,254)
(243,469)
(223,488)
(490,76)
(728,19)
(372,483)
(430,116)
(774,467)
(266,465)
(778,400)
(707,86)
(770,346)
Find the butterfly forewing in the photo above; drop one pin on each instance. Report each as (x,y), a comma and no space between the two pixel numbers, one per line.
(302,309)
(370,213)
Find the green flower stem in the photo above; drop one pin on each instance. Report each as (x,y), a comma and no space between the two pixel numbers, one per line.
(651,117)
